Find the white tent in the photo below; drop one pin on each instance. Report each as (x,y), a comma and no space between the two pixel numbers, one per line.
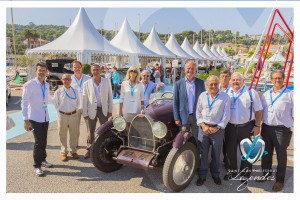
(210,54)
(154,43)
(127,41)
(214,51)
(186,46)
(81,39)
(224,52)
(200,51)
(174,47)
(224,56)
(277,57)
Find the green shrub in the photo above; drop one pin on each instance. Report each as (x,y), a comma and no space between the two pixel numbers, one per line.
(86,68)
(202,76)
(276,65)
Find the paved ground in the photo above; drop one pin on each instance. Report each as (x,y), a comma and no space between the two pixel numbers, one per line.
(80,176)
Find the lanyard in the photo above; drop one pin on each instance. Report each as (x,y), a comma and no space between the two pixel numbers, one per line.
(145,90)
(272,102)
(240,93)
(226,90)
(81,79)
(132,88)
(43,89)
(208,100)
(68,94)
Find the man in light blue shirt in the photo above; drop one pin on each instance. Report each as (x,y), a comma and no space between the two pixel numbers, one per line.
(212,114)
(149,86)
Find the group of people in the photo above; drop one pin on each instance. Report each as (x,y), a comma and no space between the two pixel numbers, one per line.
(224,112)
(80,96)
(219,113)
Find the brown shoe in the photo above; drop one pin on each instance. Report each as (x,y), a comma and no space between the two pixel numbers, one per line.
(87,155)
(277,186)
(75,155)
(64,158)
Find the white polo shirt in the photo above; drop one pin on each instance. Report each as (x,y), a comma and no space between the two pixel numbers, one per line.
(240,110)
(282,110)
(34,103)
(218,114)
(66,100)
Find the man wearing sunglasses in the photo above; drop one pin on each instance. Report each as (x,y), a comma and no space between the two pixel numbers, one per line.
(149,86)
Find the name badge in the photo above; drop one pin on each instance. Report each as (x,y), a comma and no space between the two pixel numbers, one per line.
(270,109)
(44,105)
(208,113)
(132,100)
(232,106)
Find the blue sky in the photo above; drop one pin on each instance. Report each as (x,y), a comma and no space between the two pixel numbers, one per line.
(166,20)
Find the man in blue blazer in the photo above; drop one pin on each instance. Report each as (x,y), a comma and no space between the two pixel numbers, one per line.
(186,93)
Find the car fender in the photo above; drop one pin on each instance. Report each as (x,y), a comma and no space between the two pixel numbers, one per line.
(104,127)
(181,138)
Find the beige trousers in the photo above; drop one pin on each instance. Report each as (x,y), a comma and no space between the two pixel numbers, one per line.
(79,114)
(68,123)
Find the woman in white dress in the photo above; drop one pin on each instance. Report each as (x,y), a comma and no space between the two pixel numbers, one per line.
(132,95)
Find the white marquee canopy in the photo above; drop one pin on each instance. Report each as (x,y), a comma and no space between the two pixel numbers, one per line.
(174,47)
(186,46)
(81,38)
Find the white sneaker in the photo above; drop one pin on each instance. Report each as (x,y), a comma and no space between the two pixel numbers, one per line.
(39,171)
(46,164)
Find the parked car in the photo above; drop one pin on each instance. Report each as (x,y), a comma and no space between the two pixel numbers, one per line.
(56,68)
(153,141)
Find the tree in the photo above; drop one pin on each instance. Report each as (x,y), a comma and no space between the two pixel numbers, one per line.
(27,34)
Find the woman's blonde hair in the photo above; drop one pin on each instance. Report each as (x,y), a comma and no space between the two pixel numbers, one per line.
(137,78)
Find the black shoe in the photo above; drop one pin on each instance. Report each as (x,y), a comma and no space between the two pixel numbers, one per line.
(217,180)
(200,181)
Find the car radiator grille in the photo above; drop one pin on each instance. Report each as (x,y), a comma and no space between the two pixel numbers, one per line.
(140,134)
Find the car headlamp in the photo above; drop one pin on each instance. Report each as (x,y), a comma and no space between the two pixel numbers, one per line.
(119,123)
(159,129)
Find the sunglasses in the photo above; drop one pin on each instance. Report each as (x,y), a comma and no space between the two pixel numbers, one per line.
(145,75)
(134,71)
(66,79)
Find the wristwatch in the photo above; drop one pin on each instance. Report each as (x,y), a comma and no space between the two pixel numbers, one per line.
(256,126)
(219,127)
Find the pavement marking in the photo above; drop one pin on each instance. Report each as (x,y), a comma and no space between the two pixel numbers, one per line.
(17,101)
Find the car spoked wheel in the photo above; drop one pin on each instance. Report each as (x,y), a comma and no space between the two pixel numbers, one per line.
(180,167)
(102,152)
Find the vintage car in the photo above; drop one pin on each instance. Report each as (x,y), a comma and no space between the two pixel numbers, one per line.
(153,140)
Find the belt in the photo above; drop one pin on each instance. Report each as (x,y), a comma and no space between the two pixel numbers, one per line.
(191,113)
(241,125)
(98,108)
(276,126)
(210,125)
(70,113)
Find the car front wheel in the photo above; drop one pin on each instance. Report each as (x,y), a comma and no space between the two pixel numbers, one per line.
(103,150)
(180,167)
(53,84)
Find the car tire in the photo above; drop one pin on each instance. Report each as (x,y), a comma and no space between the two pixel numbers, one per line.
(6,99)
(102,152)
(177,176)
(53,84)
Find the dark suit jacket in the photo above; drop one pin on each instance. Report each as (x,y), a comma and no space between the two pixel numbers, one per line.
(180,104)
